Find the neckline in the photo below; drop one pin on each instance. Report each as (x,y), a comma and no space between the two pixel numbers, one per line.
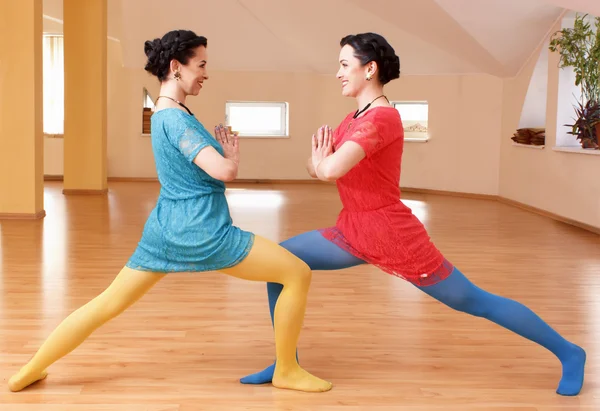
(367,112)
(173,108)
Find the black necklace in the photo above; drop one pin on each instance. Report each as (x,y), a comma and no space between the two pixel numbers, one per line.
(358,113)
(178,102)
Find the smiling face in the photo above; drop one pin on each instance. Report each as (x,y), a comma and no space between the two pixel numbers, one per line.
(193,73)
(352,73)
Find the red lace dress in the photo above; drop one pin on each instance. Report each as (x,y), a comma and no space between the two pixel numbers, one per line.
(374,225)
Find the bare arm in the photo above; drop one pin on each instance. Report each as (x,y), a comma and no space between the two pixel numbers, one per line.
(224,168)
(215,165)
(339,163)
(329,165)
(310,168)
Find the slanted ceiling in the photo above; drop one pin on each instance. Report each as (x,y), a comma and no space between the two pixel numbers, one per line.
(432,37)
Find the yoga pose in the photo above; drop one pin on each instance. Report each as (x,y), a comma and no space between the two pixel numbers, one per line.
(190,229)
(363,155)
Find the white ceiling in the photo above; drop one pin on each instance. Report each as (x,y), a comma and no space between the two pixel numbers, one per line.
(430,36)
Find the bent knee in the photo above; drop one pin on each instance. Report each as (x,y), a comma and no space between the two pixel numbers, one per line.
(300,272)
(303,271)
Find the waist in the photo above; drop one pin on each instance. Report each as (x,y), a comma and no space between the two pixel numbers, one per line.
(351,207)
(189,195)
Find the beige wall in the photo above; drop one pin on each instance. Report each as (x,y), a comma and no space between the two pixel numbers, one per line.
(471,119)
(464,112)
(562,183)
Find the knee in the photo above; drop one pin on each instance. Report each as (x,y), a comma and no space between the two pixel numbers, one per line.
(458,302)
(111,305)
(113,308)
(467,303)
(302,274)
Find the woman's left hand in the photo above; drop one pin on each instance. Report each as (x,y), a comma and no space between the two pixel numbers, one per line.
(322,145)
(230,143)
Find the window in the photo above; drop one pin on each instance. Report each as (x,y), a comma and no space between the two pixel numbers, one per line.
(147,111)
(257,119)
(53,85)
(415,116)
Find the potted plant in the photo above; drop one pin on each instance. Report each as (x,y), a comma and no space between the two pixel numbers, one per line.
(579,47)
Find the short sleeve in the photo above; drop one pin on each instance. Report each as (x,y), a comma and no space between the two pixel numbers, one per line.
(367,136)
(188,138)
(190,142)
(373,135)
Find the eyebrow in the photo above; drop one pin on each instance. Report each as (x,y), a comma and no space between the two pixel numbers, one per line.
(343,60)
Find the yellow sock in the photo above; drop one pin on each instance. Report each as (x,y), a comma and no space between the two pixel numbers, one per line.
(128,287)
(269,262)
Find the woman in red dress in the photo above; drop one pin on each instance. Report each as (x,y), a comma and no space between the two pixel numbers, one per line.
(363,155)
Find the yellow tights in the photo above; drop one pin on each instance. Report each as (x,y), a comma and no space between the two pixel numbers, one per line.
(267,261)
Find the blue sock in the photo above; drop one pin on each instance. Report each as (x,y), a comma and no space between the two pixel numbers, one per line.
(460,294)
(320,254)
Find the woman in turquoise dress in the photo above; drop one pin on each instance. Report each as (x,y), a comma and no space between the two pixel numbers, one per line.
(190,229)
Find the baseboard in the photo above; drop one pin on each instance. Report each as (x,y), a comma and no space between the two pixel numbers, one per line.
(268,181)
(133,179)
(237,181)
(449,193)
(50,177)
(504,200)
(77,191)
(23,216)
(492,197)
(549,214)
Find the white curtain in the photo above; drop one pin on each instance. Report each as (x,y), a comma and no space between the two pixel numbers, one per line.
(54,85)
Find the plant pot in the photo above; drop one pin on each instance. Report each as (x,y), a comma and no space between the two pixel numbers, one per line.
(589,143)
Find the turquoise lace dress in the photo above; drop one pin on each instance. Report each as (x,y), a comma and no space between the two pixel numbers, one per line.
(190,229)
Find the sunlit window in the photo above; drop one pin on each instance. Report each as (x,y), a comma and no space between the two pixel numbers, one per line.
(54,84)
(257,119)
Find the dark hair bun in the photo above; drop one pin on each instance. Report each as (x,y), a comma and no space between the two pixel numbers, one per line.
(176,44)
(374,47)
(156,57)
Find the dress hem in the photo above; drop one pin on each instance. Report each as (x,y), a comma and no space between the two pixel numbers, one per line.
(215,267)
(440,273)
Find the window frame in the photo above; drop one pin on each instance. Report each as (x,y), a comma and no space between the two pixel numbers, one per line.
(146,131)
(427,137)
(285,117)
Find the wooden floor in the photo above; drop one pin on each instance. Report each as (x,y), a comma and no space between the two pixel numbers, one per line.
(384,345)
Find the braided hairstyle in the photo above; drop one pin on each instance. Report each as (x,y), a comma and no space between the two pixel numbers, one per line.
(373,47)
(176,44)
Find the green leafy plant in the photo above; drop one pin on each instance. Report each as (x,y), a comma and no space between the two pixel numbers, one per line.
(579,48)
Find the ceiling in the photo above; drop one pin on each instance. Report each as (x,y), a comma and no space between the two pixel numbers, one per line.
(432,37)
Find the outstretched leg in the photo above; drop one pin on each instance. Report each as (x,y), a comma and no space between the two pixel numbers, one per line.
(320,254)
(267,261)
(128,287)
(459,293)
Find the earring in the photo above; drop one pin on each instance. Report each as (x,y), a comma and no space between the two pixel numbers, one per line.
(369,77)
(177,76)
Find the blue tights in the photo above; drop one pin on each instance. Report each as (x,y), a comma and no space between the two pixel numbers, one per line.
(458,293)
